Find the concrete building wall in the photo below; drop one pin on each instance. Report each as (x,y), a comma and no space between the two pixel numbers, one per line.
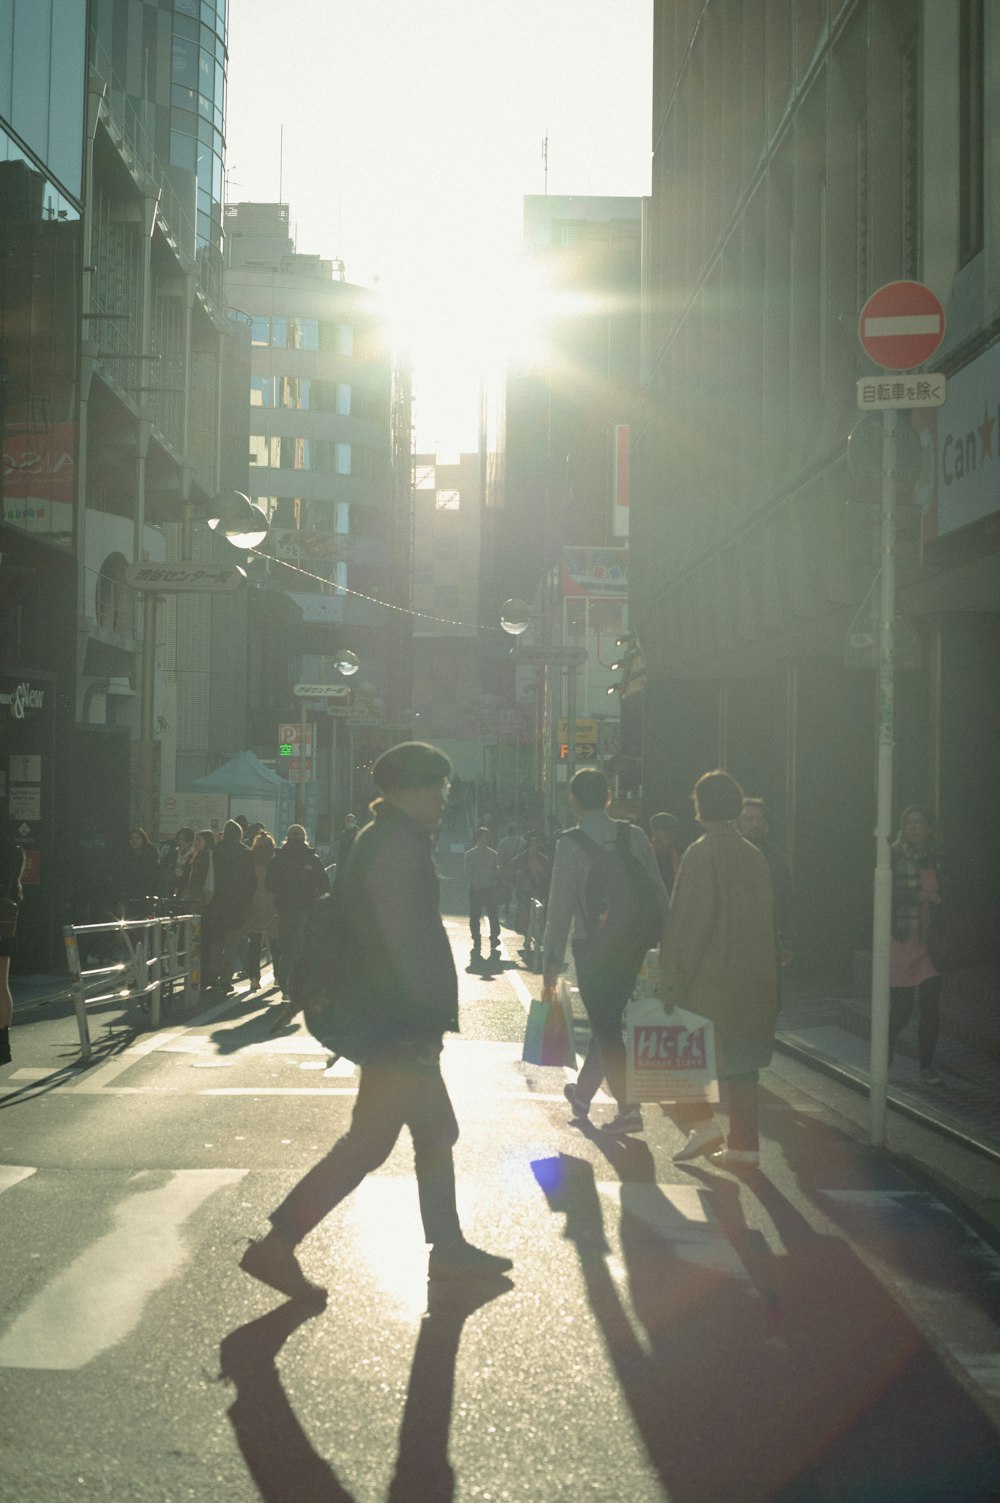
(802,159)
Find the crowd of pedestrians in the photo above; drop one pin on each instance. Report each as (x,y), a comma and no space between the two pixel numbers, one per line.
(720,911)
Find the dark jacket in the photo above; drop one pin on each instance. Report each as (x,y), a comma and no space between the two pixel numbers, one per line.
(235,881)
(399,949)
(345,840)
(295,878)
(139,876)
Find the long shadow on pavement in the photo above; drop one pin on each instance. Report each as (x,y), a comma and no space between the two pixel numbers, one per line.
(278,1453)
(764,1378)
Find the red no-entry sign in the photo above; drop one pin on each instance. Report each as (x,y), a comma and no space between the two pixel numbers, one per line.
(901,325)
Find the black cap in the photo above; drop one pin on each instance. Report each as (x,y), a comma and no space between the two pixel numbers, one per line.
(411,764)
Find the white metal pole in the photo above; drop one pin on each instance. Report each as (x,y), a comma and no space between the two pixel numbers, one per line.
(300,801)
(882,907)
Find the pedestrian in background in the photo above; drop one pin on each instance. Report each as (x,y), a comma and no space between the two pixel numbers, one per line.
(916,895)
(200,879)
(720,959)
(402,965)
(605,980)
(222,921)
(509,846)
(174,865)
(11,871)
(261,917)
(531,873)
(482,877)
(346,838)
(295,878)
(663,835)
(139,876)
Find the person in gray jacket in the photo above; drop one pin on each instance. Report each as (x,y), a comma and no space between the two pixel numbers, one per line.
(603,992)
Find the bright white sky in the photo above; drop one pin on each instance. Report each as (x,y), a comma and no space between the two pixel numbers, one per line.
(412,130)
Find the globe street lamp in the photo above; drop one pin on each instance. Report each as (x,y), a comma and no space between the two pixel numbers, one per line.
(235,517)
(246,527)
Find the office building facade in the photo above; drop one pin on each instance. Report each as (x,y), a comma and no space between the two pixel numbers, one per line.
(329,467)
(804,156)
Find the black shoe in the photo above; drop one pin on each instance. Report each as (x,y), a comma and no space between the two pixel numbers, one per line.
(460,1260)
(5,1055)
(272,1261)
(579,1108)
(623,1124)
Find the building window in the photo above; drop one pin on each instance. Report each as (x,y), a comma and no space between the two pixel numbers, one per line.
(114,599)
(447,500)
(343,399)
(343,459)
(970,129)
(260,451)
(424,478)
(260,330)
(305,333)
(345,339)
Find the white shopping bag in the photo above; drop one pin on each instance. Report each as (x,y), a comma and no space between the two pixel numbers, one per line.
(669,1055)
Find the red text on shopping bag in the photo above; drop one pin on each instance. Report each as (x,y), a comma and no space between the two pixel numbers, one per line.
(657,1047)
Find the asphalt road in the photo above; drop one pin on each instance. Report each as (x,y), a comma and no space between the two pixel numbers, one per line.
(824,1329)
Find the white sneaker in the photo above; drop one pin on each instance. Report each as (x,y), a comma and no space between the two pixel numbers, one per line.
(704,1138)
(736,1158)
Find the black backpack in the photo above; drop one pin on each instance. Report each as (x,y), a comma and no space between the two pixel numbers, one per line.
(622,907)
(325,982)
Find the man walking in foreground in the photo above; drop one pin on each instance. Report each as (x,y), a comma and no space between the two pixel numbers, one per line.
(610,934)
(405,973)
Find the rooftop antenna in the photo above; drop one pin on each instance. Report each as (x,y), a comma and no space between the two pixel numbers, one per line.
(545,162)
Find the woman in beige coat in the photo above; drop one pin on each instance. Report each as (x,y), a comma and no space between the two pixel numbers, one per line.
(721,960)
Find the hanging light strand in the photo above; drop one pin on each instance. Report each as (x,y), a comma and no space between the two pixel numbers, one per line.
(372,599)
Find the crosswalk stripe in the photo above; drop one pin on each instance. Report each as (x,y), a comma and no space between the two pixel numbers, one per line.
(99,1299)
(13,1174)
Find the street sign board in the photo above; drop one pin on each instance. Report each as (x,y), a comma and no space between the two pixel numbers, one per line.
(902,392)
(901,325)
(181,578)
(550,657)
(321,691)
(290,740)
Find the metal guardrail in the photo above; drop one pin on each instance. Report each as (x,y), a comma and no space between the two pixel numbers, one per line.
(162,954)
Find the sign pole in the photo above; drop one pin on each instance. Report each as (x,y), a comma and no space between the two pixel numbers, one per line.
(332,785)
(882,907)
(570,726)
(300,792)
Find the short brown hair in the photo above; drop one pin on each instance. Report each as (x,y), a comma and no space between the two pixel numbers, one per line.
(590,788)
(717,796)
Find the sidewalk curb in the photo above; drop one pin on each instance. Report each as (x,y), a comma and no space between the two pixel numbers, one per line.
(844,1075)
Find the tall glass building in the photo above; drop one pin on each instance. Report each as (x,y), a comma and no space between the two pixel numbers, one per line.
(170,59)
(42,72)
(42,80)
